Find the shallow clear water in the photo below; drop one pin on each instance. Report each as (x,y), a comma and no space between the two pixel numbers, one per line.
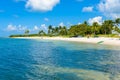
(22,59)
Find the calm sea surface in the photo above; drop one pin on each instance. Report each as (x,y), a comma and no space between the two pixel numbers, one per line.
(22,59)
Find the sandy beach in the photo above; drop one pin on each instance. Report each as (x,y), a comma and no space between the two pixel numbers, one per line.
(100,40)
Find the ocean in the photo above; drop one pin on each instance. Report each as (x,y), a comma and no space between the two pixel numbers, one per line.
(28,59)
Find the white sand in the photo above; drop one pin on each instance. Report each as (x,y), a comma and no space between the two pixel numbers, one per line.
(107,41)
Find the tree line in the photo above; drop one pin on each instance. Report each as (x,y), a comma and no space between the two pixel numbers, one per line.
(83,29)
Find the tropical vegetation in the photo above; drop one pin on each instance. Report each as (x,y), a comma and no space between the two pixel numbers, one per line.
(108,27)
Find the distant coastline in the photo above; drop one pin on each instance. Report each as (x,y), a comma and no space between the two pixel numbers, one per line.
(99,40)
(106,33)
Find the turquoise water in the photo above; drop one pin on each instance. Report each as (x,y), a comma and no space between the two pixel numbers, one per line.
(22,59)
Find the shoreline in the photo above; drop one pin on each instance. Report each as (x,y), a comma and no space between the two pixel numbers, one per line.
(100,40)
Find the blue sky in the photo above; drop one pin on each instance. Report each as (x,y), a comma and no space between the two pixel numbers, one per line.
(18,15)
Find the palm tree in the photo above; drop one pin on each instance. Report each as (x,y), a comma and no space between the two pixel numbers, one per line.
(41,32)
(53,30)
(63,31)
(104,26)
(95,25)
(49,29)
(85,22)
(56,30)
(86,27)
(60,27)
(27,32)
(117,21)
(108,26)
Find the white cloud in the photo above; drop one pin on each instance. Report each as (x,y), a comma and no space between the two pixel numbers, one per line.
(79,23)
(87,9)
(21,28)
(69,24)
(35,28)
(43,27)
(41,5)
(97,19)
(61,24)
(46,19)
(11,27)
(110,8)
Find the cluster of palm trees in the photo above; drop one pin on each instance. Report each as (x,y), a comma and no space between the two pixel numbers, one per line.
(27,32)
(82,29)
(95,29)
(55,31)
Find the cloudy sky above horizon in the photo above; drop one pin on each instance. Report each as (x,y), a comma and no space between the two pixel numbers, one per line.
(18,15)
